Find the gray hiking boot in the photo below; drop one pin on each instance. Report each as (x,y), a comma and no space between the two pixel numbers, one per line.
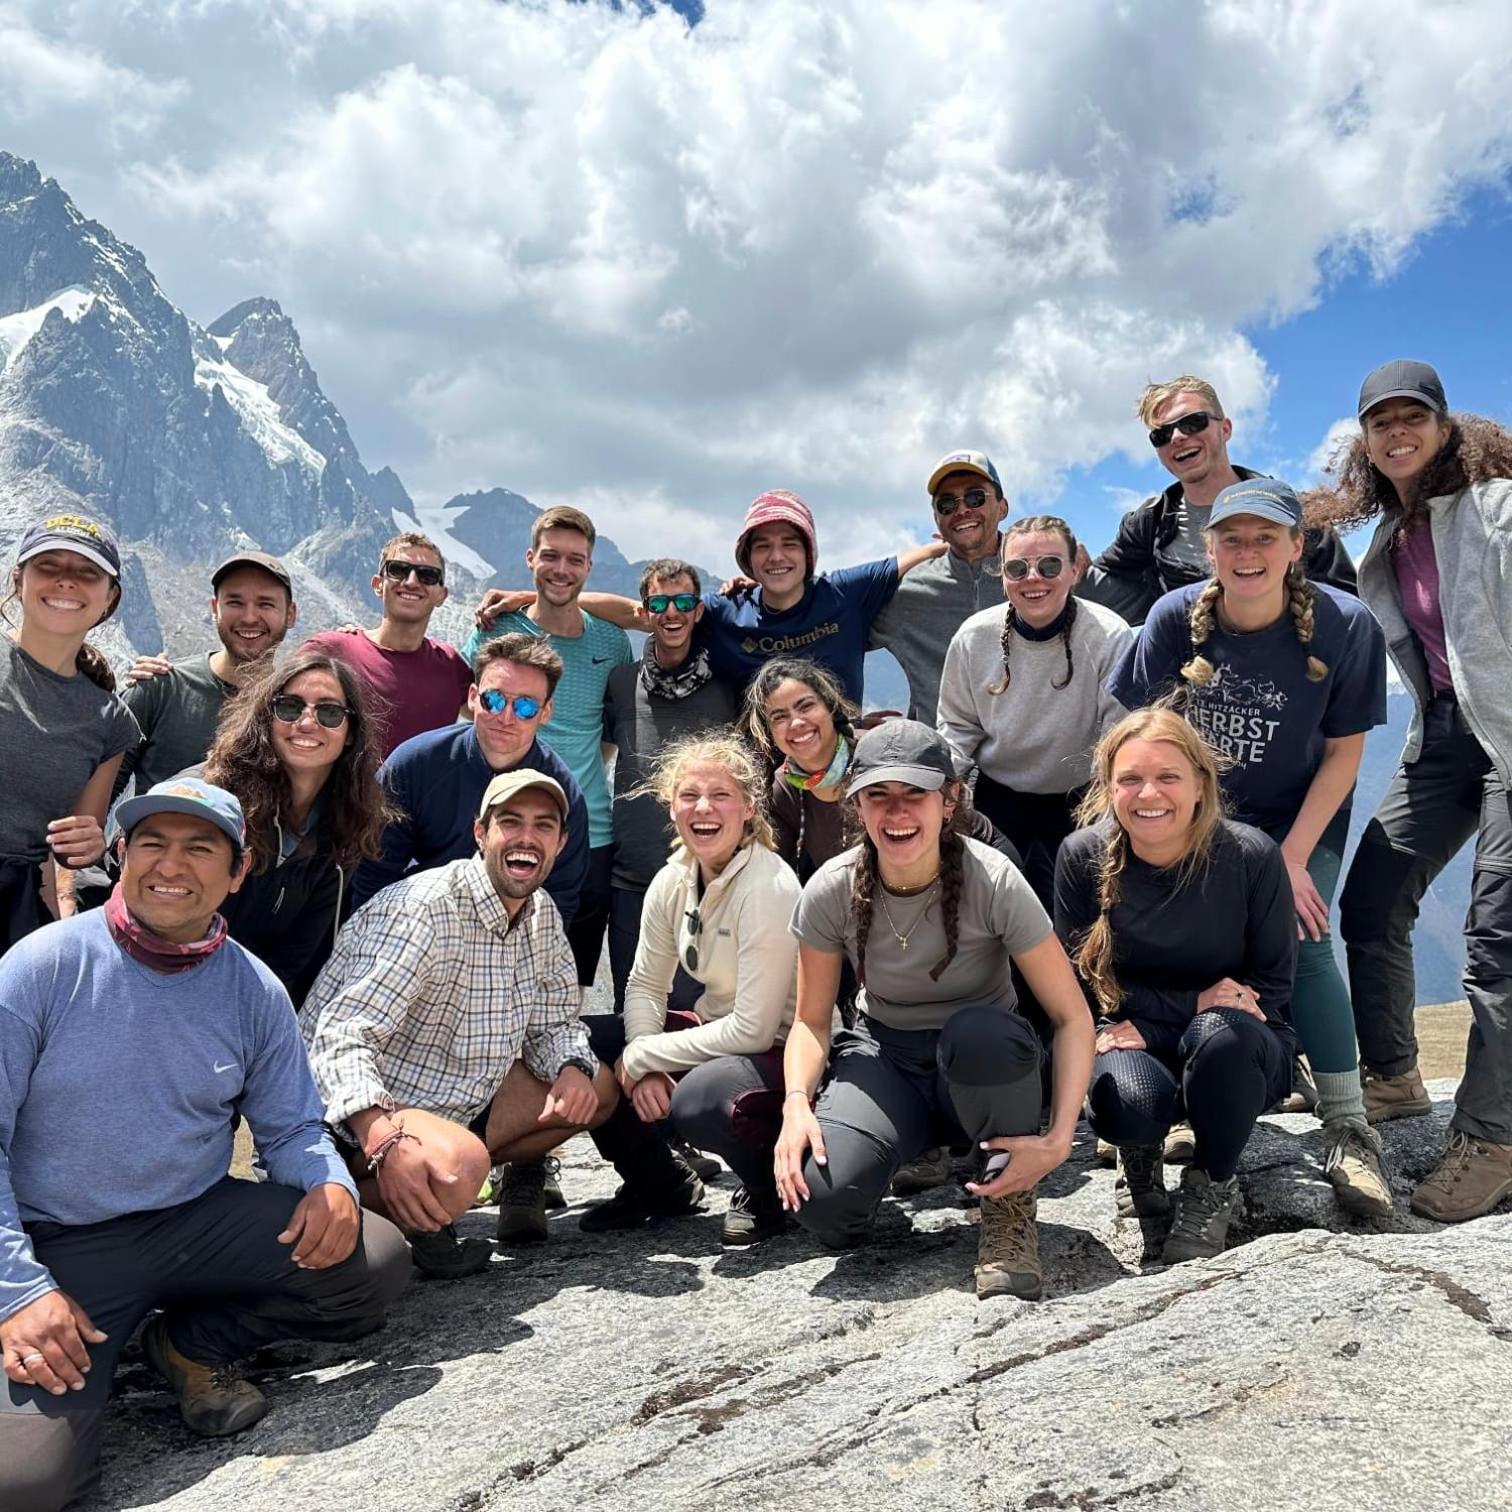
(1204,1210)
(1008,1263)
(1140,1189)
(1352,1162)
(1303,1097)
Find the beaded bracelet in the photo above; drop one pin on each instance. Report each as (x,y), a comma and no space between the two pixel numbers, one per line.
(387,1143)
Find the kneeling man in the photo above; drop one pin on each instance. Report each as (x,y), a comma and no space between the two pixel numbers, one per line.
(445,1039)
(130,1038)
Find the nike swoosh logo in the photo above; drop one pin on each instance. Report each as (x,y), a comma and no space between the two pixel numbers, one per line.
(598,661)
(229,1066)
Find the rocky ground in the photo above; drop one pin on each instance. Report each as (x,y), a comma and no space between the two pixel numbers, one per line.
(1321,1363)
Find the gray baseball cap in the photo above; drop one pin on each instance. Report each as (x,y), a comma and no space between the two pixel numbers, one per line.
(1403,379)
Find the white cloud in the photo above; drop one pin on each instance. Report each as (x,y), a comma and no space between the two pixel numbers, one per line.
(1339,434)
(813,243)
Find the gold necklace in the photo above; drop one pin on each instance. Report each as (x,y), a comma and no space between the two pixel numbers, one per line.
(902,939)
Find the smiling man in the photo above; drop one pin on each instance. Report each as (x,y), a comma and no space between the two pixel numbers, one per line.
(1160,544)
(445,1039)
(178,704)
(114,1197)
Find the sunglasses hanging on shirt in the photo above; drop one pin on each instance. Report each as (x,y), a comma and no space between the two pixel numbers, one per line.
(695,928)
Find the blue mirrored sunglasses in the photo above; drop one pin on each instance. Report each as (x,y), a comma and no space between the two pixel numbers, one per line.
(495,702)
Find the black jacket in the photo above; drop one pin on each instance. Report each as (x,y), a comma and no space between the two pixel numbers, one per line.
(287,916)
(1129,576)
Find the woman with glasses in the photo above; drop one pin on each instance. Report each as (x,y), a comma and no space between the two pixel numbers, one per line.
(63,731)
(1437,574)
(297,748)
(930,923)
(720,909)
(1284,676)
(1022,696)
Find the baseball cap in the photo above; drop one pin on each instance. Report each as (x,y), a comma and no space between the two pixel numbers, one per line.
(1267,498)
(187,795)
(1403,379)
(964,461)
(517,780)
(901,750)
(91,539)
(269,564)
(778,506)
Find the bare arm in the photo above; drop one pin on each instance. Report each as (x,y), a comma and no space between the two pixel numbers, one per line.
(78,838)
(803,1065)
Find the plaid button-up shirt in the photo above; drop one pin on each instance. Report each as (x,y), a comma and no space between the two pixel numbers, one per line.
(430,996)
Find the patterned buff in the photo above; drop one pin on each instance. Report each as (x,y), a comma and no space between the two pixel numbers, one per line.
(832,776)
(688,678)
(161,955)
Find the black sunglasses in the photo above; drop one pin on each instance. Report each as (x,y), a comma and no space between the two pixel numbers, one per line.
(947,504)
(1189,425)
(290,708)
(684,603)
(399,570)
(695,928)
(1017,568)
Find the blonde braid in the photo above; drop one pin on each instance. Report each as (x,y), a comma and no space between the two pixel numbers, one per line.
(1303,600)
(1199,671)
(1094,957)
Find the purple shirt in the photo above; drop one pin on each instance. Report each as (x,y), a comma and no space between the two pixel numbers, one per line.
(1417,577)
(412,691)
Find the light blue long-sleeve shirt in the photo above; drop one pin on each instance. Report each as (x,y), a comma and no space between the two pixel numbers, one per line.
(118,1085)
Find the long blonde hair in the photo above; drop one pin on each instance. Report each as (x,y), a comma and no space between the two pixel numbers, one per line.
(1094,952)
(713,749)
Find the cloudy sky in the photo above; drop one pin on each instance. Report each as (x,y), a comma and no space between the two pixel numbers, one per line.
(607,257)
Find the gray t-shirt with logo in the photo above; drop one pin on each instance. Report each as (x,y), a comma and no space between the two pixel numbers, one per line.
(999,917)
(1188,547)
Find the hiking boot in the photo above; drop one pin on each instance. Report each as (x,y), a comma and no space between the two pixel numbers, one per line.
(1471,1179)
(551,1190)
(1352,1162)
(1303,1097)
(1140,1190)
(1180,1144)
(752,1219)
(1204,1209)
(522,1204)
(931,1169)
(631,1207)
(445,1255)
(1008,1263)
(705,1167)
(1107,1154)
(1402,1096)
(213,1400)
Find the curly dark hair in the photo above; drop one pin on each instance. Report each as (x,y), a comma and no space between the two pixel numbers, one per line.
(243,760)
(823,682)
(1475,451)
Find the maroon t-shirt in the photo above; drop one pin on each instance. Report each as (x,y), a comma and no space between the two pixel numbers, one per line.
(413,691)
(1417,575)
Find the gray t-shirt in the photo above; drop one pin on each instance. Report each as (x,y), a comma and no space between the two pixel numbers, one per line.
(1188,547)
(54,732)
(999,917)
(177,713)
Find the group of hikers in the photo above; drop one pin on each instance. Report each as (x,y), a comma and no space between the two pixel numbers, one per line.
(356,891)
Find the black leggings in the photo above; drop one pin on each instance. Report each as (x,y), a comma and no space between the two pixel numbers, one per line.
(1229,1067)
(21,907)
(1036,823)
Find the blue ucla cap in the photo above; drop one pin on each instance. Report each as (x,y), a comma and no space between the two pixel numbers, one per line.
(967,462)
(187,795)
(1267,498)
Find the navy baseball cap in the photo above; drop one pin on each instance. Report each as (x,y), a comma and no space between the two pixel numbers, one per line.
(91,539)
(1267,498)
(1403,379)
(187,795)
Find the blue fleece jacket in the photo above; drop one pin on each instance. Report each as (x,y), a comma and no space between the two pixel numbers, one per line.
(118,1085)
(437,780)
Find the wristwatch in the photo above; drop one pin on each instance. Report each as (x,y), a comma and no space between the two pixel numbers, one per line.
(585,1066)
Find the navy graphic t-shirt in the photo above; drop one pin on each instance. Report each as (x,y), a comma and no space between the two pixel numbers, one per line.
(829,625)
(1259,708)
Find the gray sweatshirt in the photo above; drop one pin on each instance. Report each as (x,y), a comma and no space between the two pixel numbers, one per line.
(1033,737)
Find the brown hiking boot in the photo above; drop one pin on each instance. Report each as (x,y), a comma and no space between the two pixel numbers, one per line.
(1402,1096)
(1352,1162)
(1008,1263)
(213,1400)
(1180,1143)
(1471,1179)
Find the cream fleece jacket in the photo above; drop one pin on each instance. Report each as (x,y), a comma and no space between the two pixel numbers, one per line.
(747,962)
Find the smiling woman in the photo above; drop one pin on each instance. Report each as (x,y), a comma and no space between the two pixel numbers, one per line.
(62,729)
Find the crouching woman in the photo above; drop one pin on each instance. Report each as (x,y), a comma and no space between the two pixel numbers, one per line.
(1181,926)
(929,922)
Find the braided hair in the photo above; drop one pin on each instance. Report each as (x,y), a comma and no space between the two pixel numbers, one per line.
(866,878)
(1035,525)
(1302,601)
